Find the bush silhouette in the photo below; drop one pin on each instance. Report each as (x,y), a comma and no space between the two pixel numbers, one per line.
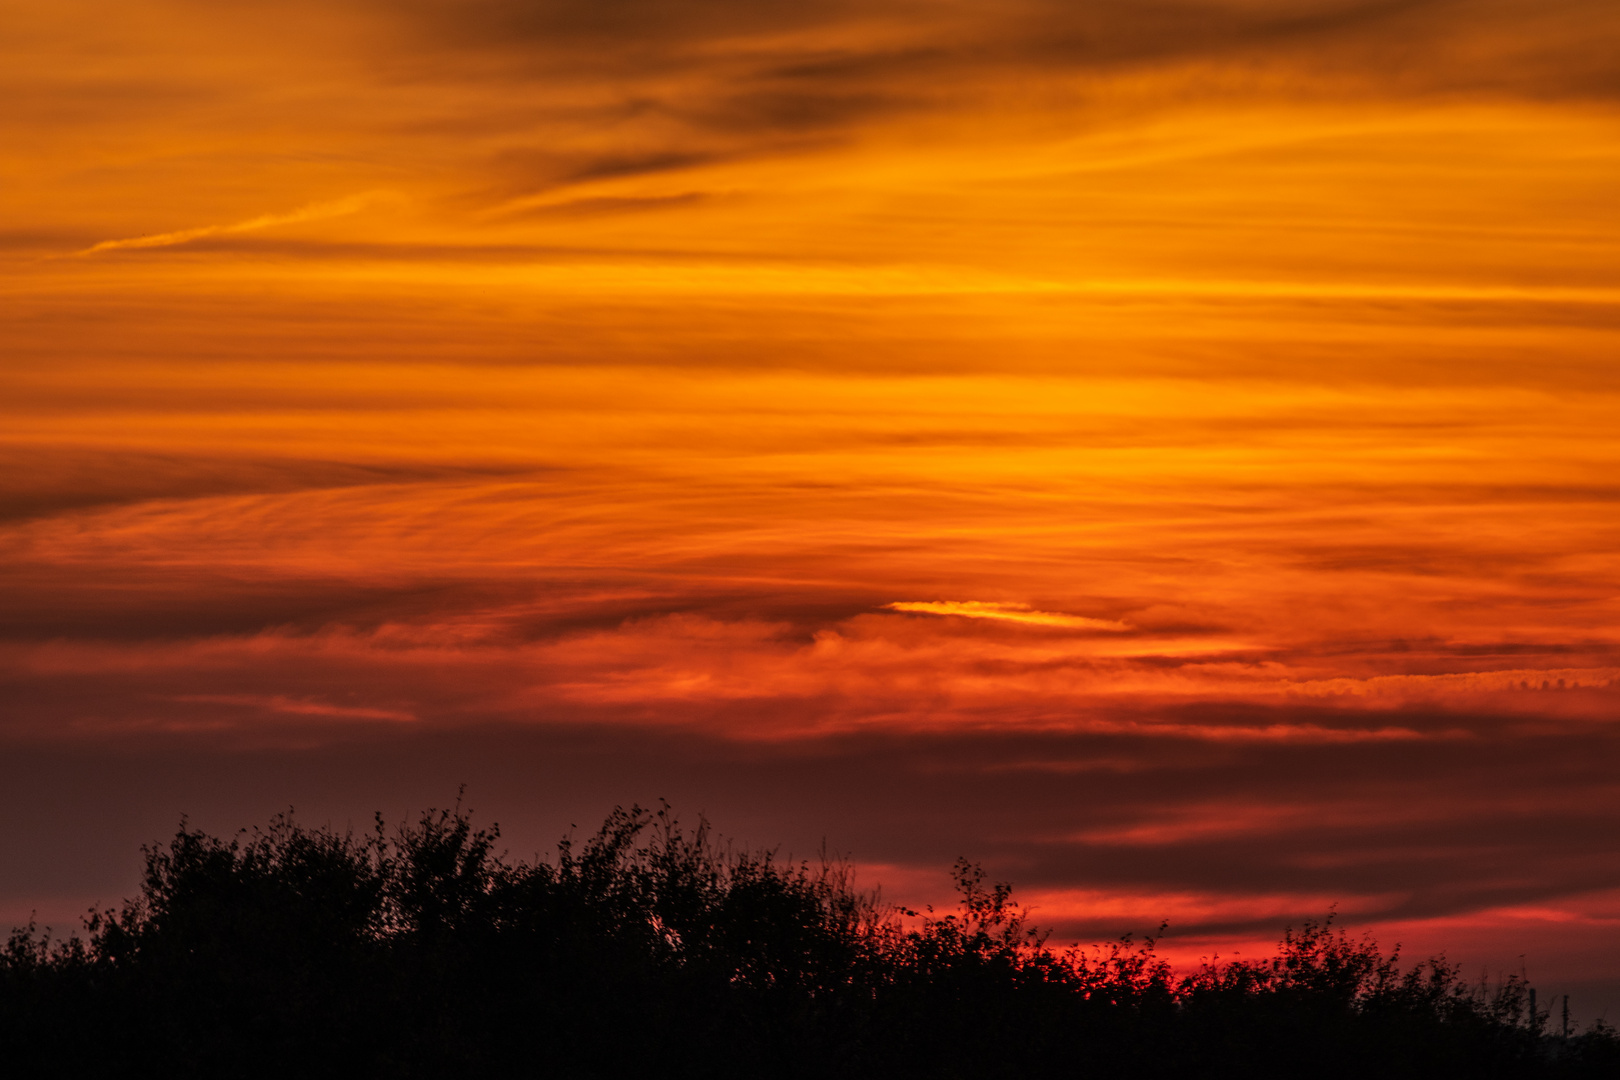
(651,949)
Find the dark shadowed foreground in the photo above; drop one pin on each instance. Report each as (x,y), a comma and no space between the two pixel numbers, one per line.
(651,950)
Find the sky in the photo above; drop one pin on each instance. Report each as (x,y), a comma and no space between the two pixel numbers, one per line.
(1164,452)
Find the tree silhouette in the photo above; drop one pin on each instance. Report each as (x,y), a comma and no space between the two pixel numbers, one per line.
(650,948)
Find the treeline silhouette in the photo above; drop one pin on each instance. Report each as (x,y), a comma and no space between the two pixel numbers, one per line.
(652,950)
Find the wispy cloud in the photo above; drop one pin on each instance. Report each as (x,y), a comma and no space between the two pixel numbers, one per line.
(302,707)
(320,211)
(1018,613)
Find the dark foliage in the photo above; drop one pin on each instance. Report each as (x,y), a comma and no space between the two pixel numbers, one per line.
(649,950)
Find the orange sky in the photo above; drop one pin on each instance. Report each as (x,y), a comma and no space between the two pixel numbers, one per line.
(1164,451)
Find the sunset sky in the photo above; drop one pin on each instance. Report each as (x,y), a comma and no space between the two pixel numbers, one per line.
(1166,452)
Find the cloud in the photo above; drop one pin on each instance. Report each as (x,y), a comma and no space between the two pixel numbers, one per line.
(819,54)
(1016,613)
(320,211)
(298,707)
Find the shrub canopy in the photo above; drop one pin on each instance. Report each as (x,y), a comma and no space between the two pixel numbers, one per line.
(650,949)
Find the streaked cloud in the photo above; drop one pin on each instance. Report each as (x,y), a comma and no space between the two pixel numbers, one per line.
(314,212)
(1017,613)
(299,707)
